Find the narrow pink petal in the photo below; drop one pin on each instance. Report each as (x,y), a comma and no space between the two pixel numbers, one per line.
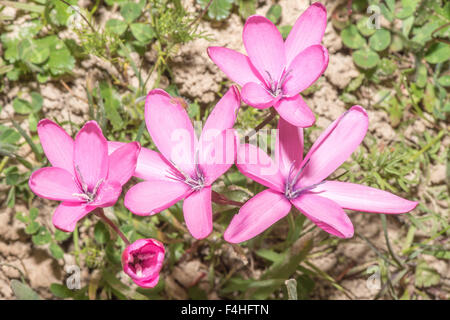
(326,214)
(235,65)
(289,147)
(255,164)
(295,111)
(305,69)
(67,215)
(197,210)
(308,30)
(224,114)
(107,194)
(171,129)
(147,283)
(150,197)
(334,146)
(91,155)
(256,215)
(265,47)
(362,198)
(54,184)
(217,157)
(57,145)
(151,165)
(257,96)
(122,162)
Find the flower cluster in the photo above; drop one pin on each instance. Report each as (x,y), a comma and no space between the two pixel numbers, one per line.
(87,174)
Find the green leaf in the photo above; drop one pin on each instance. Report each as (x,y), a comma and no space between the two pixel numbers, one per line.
(142,32)
(42,237)
(219,9)
(426,276)
(274,13)
(364,28)
(112,105)
(101,233)
(61,235)
(444,81)
(6,69)
(421,76)
(437,53)
(366,58)
(285,30)
(246,8)
(396,43)
(61,291)
(23,291)
(121,289)
(408,9)
(32,228)
(36,101)
(380,40)
(56,251)
(21,217)
(33,51)
(21,106)
(23,6)
(116,26)
(32,122)
(351,37)
(130,11)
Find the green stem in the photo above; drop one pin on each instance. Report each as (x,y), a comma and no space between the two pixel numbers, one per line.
(101,214)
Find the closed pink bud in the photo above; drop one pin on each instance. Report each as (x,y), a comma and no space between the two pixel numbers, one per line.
(142,260)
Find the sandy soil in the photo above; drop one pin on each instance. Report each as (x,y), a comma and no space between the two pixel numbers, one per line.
(199,79)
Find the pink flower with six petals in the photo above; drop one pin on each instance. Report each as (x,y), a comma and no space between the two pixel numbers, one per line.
(187,166)
(142,261)
(293,180)
(83,176)
(276,71)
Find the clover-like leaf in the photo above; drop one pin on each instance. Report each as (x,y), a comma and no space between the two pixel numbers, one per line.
(437,53)
(116,26)
(142,32)
(274,13)
(130,11)
(219,9)
(380,40)
(366,58)
(352,38)
(364,27)
(33,51)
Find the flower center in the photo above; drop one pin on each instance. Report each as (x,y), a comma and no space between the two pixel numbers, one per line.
(86,194)
(138,262)
(291,191)
(275,87)
(196,183)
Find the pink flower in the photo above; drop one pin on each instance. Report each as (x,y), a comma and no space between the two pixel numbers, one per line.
(293,180)
(275,71)
(82,175)
(142,260)
(186,167)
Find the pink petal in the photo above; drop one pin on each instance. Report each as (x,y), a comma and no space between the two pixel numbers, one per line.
(295,111)
(57,145)
(67,215)
(91,155)
(150,197)
(197,210)
(308,30)
(147,283)
(151,165)
(224,114)
(326,214)
(289,146)
(171,129)
(305,69)
(257,96)
(256,215)
(255,164)
(108,193)
(235,65)
(265,47)
(334,146)
(362,198)
(54,184)
(217,157)
(122,162)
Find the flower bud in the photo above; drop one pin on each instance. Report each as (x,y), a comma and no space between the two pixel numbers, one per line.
(142,260)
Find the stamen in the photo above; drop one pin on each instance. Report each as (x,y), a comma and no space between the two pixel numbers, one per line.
(84,186)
